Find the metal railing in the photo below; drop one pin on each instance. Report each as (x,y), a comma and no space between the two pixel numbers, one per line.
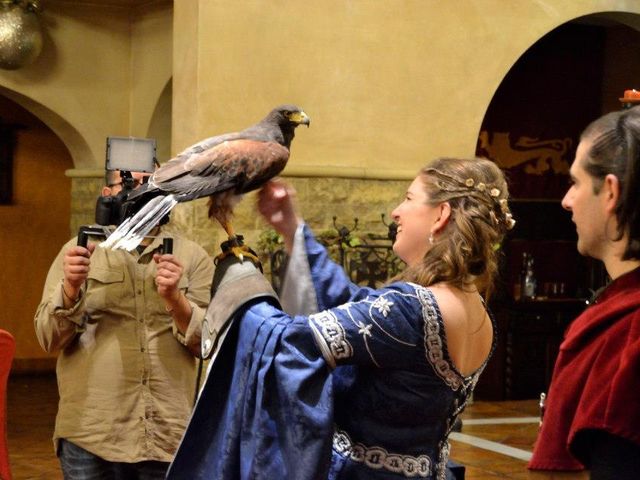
(367,258)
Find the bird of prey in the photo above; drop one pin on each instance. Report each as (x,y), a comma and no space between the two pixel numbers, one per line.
(222,167)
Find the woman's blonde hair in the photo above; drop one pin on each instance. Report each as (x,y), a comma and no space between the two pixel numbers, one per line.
(465,251)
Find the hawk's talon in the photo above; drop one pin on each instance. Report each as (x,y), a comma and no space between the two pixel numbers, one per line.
(235,246)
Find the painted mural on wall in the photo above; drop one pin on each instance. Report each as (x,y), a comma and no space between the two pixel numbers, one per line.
(536,167)
(534,155)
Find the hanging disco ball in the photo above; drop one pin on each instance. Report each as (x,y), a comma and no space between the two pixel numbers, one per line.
(20,33)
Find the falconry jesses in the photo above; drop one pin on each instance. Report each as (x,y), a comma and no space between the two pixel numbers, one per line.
(221,167)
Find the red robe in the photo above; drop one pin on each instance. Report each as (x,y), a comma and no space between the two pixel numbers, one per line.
(596,379)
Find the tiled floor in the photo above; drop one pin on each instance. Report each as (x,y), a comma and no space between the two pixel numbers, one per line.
(32,402)
(496,437)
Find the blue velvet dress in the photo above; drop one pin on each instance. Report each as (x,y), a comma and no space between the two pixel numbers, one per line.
(364,389)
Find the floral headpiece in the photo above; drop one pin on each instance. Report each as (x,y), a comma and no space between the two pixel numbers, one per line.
(494,193)
(491,191)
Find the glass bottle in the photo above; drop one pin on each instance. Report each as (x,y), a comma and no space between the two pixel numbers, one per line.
(519,285)
(530,283)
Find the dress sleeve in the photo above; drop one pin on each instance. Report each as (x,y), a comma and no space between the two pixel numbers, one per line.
(379,327)
(332,285)
(399,326)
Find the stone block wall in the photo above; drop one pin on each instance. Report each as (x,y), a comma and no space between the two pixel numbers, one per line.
(84,192)
(319,200)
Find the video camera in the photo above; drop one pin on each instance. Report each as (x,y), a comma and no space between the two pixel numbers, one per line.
(126,155)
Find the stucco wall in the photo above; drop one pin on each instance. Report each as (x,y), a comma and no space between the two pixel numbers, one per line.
(100,73)
(387,84)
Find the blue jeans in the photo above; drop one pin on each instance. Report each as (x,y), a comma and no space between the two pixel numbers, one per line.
(78,464)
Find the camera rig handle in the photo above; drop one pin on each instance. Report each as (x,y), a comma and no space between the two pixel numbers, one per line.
(167,245)
(83,238)
(87,231)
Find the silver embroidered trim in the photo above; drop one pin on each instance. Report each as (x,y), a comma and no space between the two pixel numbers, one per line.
(326,324)
(433,341)
(441,467)
(378,458)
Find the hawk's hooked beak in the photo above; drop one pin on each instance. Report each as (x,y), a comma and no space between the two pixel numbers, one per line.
(299,118)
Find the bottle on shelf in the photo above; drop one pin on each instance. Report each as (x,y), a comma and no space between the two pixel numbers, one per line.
(518,285)
(529,284)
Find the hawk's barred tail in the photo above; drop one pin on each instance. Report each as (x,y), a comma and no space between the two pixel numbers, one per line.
(133,230)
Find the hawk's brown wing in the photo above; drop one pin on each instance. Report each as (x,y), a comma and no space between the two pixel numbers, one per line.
(238,165)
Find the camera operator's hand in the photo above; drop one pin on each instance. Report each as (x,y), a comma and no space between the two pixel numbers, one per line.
(75,266)
(168,274)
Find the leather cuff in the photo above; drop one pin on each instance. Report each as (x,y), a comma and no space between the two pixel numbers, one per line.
(229,298)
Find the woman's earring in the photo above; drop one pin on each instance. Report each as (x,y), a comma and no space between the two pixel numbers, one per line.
(431,239)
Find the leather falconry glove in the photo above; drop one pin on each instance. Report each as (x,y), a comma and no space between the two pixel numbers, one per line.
(236,282)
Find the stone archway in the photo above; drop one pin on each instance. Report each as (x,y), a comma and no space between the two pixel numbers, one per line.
(33,226)
(78,148)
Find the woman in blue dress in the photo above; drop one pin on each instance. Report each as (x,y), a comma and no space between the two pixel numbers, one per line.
(369,386)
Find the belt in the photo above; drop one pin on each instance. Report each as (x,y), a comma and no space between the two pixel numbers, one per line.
(378,458)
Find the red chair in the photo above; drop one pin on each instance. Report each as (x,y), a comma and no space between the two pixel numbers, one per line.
(7,350)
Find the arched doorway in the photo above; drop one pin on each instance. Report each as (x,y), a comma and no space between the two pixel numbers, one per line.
(565,80)
(34,223)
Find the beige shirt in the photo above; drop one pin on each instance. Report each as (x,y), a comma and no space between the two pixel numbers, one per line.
(125,374)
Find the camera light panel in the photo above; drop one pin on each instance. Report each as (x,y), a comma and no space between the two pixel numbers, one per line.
(131,154)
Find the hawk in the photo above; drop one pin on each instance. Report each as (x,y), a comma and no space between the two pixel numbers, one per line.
(222,167)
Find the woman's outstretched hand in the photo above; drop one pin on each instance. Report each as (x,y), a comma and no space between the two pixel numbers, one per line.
(276,203)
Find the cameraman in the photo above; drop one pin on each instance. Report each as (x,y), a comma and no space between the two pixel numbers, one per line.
(127,326)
